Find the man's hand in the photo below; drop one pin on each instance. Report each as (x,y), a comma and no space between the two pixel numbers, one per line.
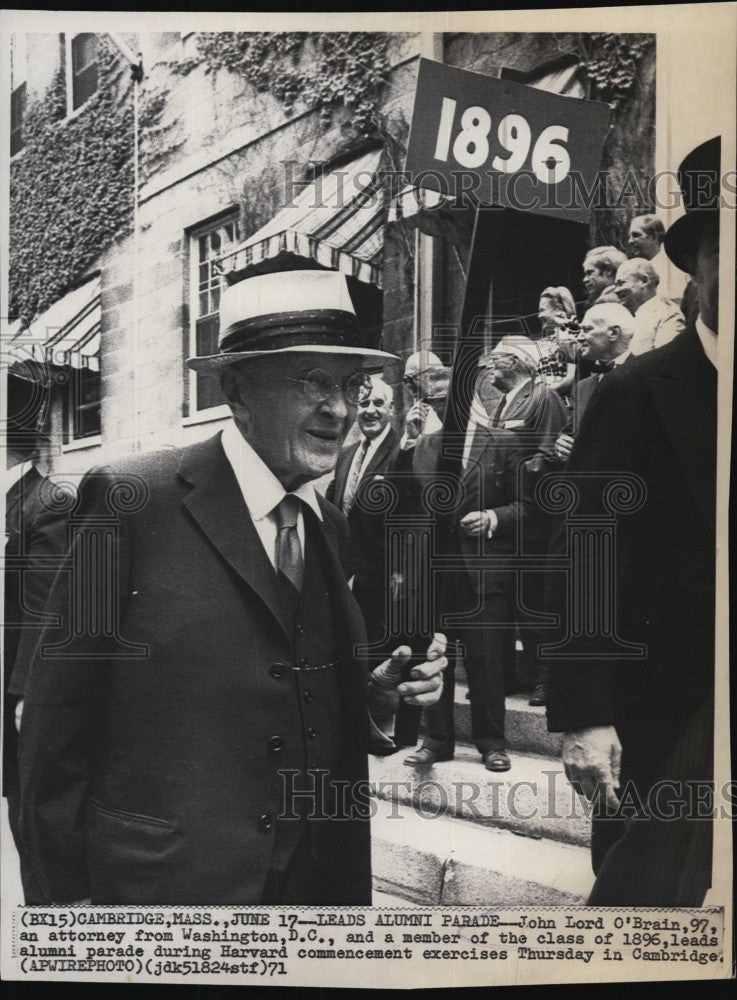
(563,446)
(475,523)
(416,419)
(18,714)
(426,681)
(592,759)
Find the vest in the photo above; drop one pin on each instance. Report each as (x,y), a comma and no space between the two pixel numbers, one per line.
(310,733)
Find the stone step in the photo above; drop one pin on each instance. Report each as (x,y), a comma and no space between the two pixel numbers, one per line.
(525,725)
(453,862)
(533,799)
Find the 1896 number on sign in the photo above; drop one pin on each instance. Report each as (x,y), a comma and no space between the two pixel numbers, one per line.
(550,160)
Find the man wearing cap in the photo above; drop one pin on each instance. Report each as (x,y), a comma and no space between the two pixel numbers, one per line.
(644,722)
(536,414)
(210,747)
(360,465)
(657,319)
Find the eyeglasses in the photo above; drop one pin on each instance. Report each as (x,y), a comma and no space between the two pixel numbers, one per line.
(319,385)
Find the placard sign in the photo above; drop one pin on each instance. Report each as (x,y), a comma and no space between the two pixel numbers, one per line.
(504,143)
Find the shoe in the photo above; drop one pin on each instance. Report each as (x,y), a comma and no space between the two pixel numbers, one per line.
(425,757)
(497,760)
(539,695)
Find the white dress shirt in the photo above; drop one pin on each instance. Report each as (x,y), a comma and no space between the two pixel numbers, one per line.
(656,322)
(374,445)
(709,341)
(262,491)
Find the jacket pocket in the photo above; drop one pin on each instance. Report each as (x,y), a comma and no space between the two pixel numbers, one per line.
(130,856)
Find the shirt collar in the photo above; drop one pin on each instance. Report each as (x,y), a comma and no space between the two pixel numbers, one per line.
(709,341)
(376,442)
(621,358)
(261,490)
(518,388)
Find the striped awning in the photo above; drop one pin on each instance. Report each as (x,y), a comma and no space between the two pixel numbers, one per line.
(66,335)
(337,221)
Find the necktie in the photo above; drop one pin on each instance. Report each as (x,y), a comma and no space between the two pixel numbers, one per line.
(288,551)
(499,410)
(355,476)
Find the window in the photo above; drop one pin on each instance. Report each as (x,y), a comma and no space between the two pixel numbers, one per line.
(83,77)
(17,91)
(81,409)
(206,245)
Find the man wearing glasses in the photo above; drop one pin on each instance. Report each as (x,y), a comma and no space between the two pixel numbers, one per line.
(211,748)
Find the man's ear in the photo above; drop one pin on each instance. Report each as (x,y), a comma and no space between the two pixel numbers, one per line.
(614,332)
(232,389)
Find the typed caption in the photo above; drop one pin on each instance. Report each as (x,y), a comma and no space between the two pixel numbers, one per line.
(284,945)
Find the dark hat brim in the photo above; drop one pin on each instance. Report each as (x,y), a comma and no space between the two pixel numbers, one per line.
(683,236)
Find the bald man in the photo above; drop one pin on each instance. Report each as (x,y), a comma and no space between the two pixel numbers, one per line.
(604,342)
(360,464)
(657,319)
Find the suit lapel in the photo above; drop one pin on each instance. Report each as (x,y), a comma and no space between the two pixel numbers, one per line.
(519,405)
(381,455)
(345,460)
(685,396)
(215,502)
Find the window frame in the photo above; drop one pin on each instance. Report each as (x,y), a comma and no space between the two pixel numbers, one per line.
(18,88)
(192,413)
(72,407)
(71,74)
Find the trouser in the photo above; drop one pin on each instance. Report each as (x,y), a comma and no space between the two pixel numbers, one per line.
(532,599)
(31,889)
(662,859)
(488,649)
(302,882)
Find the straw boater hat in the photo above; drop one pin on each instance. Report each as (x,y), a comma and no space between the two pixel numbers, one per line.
(698,178)
(287,313)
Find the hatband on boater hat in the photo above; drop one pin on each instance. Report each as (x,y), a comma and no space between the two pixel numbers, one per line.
(288,312)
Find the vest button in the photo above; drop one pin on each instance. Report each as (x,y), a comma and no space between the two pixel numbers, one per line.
(308,697)
(312,733)
(276,743)
(277,669)
(300,630)
(266,821)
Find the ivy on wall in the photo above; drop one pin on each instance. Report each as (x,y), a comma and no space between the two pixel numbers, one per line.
(321,70)
(612,63)
(71,189)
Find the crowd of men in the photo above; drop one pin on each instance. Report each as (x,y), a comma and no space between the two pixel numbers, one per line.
(197,741)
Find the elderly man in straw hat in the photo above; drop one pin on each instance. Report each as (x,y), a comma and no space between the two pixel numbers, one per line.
(212,749)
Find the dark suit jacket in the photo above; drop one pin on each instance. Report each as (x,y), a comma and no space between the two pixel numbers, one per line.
(536,415)
(366,547)
(33,550)
(656,417)
(145,767)
(583,393)
(492,480)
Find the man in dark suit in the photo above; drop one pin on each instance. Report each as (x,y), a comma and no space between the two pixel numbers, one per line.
(31,546)
(643,724)
(486,530)
(204,741)
(604,339)
(536,414)
(361,465)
